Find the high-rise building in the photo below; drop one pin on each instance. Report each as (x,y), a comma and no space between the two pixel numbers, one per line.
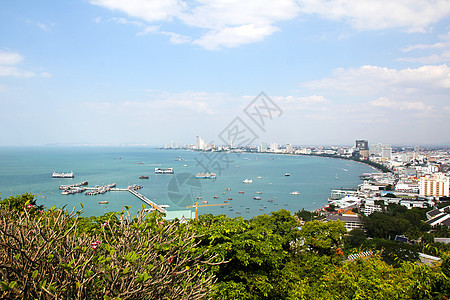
(362,149)
(434,185)
(263,147)
(274,147)
(200,143)
(386,151)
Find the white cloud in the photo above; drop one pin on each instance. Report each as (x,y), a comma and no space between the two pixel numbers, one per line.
(14,72)
(410,15)
(234,36)
(375,79)
(440,49)
(401,105)
(7,68)
(10,58)
(228,23)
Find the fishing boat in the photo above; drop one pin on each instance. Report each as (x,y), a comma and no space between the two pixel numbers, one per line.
(230,198)
(228,189)
(241,192)
(143,177)
(103,202)
(204,201)
(295,193)
(259,192)
(257,198)
(216,197)
(247,181)
(287,174)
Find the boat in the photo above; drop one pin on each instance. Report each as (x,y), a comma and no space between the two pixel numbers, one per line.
(216,197)
(204,201)
(225,201)
(287,174)
(103,202)
(259,177)
(63,175)
(295,193)
(259,192)
(257,198)
(247,181)
(270,200)
(228,189)
(336,177)
(143,177)
(164,171)
(241,192)
(140,163)
(230,198)
(206,176)
(185,165)
(199,198)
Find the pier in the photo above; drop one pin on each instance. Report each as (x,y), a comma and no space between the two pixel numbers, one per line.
(132,189)
(148,201)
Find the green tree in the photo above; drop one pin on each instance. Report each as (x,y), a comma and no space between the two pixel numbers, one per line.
(322,237)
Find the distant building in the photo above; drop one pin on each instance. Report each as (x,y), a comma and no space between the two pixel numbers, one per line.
(386,151)
(289,148)
(200,143)
(274,147)
(263,147)
(434,185)
(362,149)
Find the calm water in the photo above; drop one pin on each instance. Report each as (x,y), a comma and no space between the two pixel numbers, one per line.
(29,170)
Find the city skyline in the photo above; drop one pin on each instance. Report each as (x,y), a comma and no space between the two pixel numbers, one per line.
(147,72)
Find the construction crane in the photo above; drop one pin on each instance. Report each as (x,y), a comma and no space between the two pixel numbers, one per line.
(197,206)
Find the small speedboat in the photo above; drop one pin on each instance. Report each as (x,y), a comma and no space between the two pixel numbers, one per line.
(287,174)
(241,192)
(295,193)
(257,198)
(216,197)
(143,177)
(259,192)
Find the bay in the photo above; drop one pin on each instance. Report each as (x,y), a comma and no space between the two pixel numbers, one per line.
(29,169)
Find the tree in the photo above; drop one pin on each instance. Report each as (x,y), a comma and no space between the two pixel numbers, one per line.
(48,255)
(322,237)
(355,238)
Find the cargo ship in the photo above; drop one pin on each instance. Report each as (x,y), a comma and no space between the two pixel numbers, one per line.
(63,175)
(164,171)
(206,176)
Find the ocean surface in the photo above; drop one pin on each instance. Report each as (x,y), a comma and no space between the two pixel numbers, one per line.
(29,169)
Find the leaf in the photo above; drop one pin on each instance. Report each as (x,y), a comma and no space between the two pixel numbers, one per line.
(34,275)
(4,286)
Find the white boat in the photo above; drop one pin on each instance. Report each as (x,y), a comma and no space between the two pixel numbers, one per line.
(287,174)
(164,171)
(259,192)
(295,193)
(63,175)
(248,181)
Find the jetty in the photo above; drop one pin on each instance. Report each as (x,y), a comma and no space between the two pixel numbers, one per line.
(112,187)
(148,201)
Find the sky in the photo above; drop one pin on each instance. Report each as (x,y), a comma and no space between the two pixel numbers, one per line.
(111,72)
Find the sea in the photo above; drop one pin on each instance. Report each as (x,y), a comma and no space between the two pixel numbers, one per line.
(29,170)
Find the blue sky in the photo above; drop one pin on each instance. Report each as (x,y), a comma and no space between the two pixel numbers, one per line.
(147,72)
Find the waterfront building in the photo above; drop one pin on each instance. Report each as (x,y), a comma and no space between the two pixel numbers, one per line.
(434,185)
(263,147)
(274,147)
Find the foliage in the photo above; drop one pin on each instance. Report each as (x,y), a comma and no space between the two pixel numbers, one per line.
(354,238)
(396,220)
(322,237)
(50,256)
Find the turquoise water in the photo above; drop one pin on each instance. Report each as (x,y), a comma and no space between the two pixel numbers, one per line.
(29,170)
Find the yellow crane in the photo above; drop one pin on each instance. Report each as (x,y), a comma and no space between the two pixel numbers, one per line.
(197,206)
